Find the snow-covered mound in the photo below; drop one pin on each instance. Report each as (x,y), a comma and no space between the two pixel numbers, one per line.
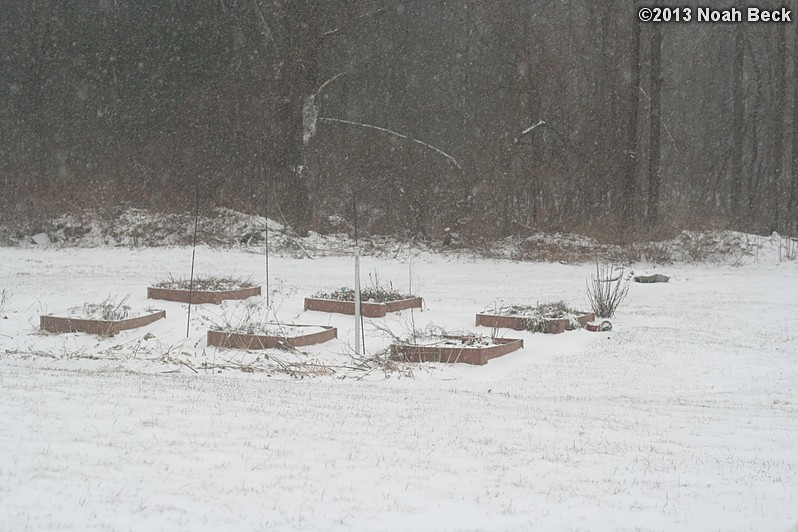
(226,228)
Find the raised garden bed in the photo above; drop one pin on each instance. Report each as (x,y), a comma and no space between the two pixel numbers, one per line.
(450,349)
(375,302)
(367,309)
(62,324)
(282,336)
(551,318)
(212,290)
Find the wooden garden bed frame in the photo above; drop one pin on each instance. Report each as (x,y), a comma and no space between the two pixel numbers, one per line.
(368,310)
(264,341)
(59,324)
(518,323)
(459,354)
(198,297)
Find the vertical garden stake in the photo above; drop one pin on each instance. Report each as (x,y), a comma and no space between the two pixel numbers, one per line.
(193,254)
(358,316)
(266,233)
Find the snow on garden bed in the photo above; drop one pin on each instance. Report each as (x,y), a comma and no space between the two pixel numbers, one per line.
(553,318)
(271,335)
(376,302)
(465,348)
(105,319)
(208,289)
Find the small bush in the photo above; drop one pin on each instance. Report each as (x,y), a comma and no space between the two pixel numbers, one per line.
(606,290)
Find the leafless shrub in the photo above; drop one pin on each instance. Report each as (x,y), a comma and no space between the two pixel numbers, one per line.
(606,290)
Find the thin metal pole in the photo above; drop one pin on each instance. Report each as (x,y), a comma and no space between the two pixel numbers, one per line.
(359,338)
(266,233)
(193,255)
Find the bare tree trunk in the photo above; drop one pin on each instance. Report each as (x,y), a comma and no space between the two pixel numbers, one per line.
(654,123)
(736,170)
(756,164)
(302,82)
(631,145)
(793,220)
(778,126)
(40,49)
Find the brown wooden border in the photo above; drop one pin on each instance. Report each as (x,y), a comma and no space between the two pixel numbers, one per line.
(58,324)
(518,323)
(450,355)
(262,341)
(198,297)
(368,310)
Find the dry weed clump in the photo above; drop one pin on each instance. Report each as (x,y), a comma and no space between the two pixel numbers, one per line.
(209,283)
(109,310)
(373,294)
(381,362)
(536,316)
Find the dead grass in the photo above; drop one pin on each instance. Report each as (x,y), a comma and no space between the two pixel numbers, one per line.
(109,310)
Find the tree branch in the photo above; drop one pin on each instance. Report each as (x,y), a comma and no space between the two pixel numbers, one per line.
(394,133)
(337,31)
(324,85)
(529,130)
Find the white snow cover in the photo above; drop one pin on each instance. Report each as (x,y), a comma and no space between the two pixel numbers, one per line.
(684,417)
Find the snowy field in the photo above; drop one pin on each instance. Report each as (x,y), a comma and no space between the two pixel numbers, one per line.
(684,417)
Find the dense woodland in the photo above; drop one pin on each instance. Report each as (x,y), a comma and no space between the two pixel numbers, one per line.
(488,117)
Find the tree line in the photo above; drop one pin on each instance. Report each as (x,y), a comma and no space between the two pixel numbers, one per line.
(485,117)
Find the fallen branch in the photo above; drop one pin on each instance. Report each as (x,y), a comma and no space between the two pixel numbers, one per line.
(188,366)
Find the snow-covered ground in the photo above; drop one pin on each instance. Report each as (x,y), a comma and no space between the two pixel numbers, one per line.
(684,417)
